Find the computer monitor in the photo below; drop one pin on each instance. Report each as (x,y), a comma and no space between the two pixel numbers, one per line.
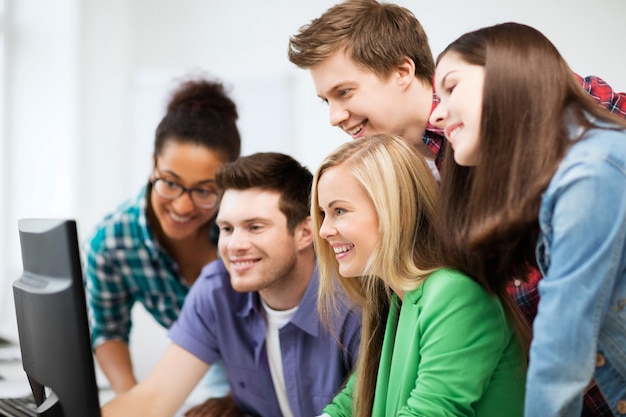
(52,320)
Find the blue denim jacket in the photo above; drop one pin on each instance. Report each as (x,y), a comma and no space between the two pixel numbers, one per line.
(580,328)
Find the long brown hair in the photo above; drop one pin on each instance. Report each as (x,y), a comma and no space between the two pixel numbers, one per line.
(489,212)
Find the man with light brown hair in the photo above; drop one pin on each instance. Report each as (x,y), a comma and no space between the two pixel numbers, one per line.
(371,63)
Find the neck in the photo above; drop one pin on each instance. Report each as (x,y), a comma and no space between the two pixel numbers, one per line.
(398,292)
(421,102)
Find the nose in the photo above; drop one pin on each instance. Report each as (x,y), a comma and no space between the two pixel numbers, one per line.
(183,203)
(438,116)
(237,240)
(338,113)
(326,229)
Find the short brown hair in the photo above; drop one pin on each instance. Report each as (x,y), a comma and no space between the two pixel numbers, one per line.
(375,35)
(271,171)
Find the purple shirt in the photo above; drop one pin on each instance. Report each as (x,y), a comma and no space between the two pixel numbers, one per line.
(219,323)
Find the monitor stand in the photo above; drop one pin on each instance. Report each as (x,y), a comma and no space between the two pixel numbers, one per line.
(47,407)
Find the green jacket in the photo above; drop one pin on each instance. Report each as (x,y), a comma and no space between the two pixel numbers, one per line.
(449,350)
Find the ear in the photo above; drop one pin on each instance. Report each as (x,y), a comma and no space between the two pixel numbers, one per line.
(303,234)
(405,72)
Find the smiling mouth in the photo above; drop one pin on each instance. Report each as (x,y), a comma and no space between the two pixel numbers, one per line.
(355,130)
(240,264)
(179,219)
(342,249)
(452,132)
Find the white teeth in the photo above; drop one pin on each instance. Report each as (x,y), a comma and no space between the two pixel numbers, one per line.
(342,249)
(356,130)
(243,263)
(179,219)
(453,132)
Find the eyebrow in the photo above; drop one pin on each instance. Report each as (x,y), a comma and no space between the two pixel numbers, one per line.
(443,80)
(172,173)
(336,87)
(219,221)
(332,203)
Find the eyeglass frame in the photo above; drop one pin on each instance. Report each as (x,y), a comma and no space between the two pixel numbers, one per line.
(183,190)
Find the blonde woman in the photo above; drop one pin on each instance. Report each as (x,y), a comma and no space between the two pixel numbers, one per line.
(434,341)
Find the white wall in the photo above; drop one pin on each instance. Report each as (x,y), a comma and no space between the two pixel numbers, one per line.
(89,80)
(131,51)
(40,151)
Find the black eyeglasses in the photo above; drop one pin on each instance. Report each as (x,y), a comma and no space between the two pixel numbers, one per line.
(170,190)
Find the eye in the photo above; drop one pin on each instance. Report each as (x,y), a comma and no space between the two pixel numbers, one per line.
(339,211)
(225,229)
(324,100)
(449,89)
(444,90)
(256,227)
(170,184)
(343,93)
(203,193)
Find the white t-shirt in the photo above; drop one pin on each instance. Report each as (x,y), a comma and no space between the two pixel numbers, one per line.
(275,321)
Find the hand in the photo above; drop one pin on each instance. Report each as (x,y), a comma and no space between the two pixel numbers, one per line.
(215,407)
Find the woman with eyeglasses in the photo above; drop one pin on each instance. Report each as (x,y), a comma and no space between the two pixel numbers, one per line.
(152,248)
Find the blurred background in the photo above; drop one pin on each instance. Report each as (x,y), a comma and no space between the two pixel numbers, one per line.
(83,84)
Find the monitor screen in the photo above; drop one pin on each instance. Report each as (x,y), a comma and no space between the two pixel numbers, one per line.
(52,320)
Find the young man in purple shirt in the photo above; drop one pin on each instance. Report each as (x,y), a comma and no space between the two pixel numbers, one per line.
(254,308)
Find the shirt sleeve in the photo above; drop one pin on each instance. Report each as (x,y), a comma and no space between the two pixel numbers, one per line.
(351,337)
(584,254)
(464,336)
(604,95)
(341,406)
(195,328)
(108,301)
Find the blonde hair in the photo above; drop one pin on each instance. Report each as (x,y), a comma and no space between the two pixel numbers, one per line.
(403,191)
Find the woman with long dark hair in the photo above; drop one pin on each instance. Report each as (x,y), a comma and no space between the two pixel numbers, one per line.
(534,175)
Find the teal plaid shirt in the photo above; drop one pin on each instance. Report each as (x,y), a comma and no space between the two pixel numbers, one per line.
(124,264)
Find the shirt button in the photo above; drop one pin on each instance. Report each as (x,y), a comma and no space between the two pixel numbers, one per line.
(242,384)
(600,361)
(517,282)
(621,406)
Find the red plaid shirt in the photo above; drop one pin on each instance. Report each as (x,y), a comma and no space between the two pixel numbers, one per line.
(526,294)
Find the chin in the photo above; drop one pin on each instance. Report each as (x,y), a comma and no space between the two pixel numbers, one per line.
(465,162)
(177,234)
(243,285)
(348,273)
(460,160)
